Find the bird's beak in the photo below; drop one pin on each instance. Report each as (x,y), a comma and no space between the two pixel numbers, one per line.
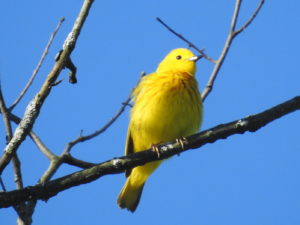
(195,58)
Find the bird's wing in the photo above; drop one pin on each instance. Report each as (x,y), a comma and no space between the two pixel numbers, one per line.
(129,149)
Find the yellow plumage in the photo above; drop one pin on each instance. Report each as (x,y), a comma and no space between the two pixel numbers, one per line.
(167,105)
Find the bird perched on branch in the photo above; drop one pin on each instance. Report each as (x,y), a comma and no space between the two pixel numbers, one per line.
(167,106)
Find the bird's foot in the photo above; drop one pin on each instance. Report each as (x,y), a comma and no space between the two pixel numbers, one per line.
(182,141)
(155,149)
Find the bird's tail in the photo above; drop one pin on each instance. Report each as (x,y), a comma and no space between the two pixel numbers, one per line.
(130,195)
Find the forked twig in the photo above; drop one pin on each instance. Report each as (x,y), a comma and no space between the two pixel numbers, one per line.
(258,8)
(232,34)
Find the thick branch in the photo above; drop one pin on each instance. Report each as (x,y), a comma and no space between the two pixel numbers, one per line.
(34,107)
(119,165)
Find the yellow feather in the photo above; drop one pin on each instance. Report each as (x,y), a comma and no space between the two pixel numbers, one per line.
(167,105)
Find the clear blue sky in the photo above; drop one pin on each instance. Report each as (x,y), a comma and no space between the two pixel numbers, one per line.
(244,180)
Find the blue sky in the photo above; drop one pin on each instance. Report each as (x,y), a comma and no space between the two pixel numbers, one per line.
(244,180)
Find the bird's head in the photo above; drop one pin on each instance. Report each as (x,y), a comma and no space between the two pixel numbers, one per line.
(181,60)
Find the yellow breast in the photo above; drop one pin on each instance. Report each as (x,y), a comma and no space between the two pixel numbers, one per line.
(166,106)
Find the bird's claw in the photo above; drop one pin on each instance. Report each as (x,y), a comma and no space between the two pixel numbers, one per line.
(155,149)
(181,141)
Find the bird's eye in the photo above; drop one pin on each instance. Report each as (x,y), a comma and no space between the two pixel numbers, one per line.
(178,57)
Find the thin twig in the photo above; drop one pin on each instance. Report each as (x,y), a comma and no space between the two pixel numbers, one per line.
(34,137)
(213,76)
(2,184)
(232,34)
(36,70)
(72,74)
(186,40)
(101,130)
(118,165)
(235,15)
(106,126)
(17,172)
(251,18)
(41,146)
(54,165)
(5,115)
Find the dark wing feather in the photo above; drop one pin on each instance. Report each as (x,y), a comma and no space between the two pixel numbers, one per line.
(129,149)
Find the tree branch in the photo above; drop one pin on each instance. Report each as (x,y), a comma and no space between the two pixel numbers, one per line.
(15,160)
(186,40)
(8,129)
(101,130)
(67,158)
(33,109)
(36,70)
(232,34)
(251,18)
(39,143)
(120,164)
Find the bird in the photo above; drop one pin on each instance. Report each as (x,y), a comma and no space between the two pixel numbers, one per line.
(167,105)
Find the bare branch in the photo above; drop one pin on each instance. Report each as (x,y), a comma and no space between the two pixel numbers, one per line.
(34,107)
(213,76)
(54,165)
(81,138)
(235,15)
(41,146)
(5,115)
(2,184)
(17,172)
(72,75)
(185,40)
(101,130)
(67,158)
(39,143)
(8,129)
(232,34)
(120,164)
(16,162)
(251,18)
(36,70)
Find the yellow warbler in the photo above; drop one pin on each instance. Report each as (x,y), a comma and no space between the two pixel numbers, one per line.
(167,105)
